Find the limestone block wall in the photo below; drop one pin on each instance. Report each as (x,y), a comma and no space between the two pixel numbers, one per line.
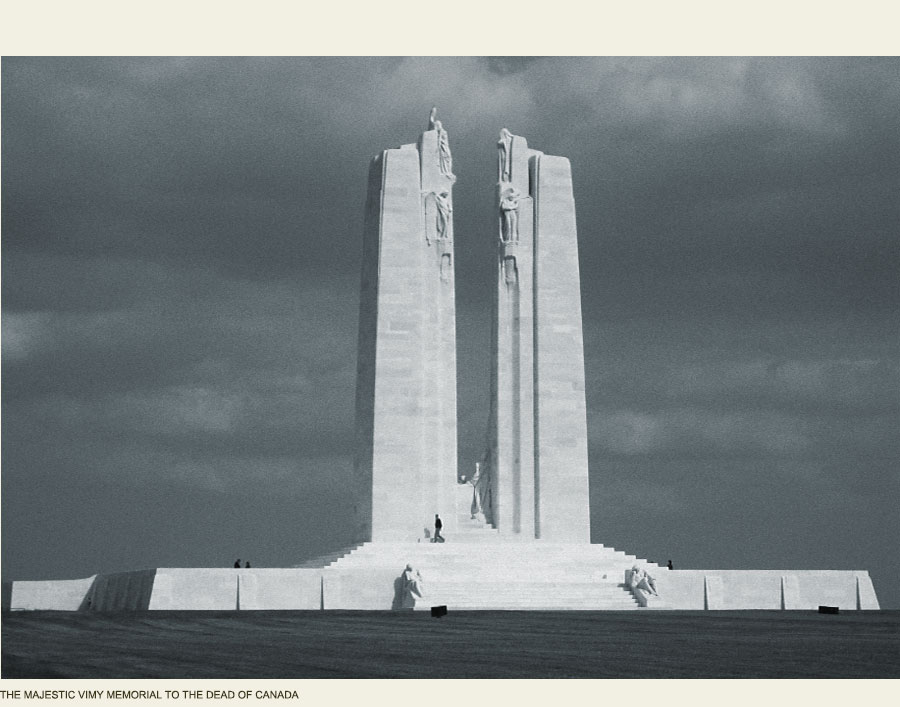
(512,364)
(279,589)
(195,589)
(53,595)
(763,589)
(365,357)
(398,455)
(369,589)
(122,591)
(439,472)
(561,459)
(538,423)
(405,469)
(372,584)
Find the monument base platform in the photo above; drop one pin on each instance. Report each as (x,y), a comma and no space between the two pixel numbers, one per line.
(493,575)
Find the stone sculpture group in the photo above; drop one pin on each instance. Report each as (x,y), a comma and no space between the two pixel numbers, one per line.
(412,587)
(642,584)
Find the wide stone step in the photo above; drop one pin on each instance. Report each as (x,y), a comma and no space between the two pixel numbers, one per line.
(584,586)
(527,601)
(328,558)
(503,575)
(500,556)
(500,569)
(449,548)
(535,563)
(441,598)
(520,574)
(470,574)
(529,606)
(506,574)
(488,549)
(482,594)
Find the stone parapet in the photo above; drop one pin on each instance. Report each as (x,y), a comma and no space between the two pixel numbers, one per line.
(522,576)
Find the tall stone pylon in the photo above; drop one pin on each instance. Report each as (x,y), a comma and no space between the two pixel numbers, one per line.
(405,467)
(537,462)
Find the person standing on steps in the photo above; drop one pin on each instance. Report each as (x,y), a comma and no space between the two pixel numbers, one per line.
(237,563)
(438,538)
(669,565)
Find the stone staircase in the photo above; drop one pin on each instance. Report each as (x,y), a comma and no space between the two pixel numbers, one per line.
(478,569)
(327,559)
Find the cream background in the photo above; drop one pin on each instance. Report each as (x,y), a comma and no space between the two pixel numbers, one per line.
(765,27)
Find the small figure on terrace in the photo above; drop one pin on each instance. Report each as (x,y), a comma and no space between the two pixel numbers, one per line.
(509,208)
(438,538)
(669,565)
(237,563)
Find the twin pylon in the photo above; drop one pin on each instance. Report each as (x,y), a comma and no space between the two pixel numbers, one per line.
(532,481)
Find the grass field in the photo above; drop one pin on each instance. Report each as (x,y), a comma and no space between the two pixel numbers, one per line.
(313,644)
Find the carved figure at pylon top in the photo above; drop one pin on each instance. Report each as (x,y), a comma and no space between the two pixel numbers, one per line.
(446,159)
(504,155)
(432,117)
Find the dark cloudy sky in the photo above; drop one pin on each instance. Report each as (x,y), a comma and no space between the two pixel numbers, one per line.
(181,254)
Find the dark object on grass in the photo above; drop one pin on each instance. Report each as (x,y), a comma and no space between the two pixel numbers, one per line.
(438,611)
(828,610)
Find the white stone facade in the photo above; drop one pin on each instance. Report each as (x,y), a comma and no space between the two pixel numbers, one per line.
(405,468)
(537,460)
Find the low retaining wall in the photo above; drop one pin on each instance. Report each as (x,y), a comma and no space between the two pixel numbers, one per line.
(280,589)
(763,589)
(364,588)
(237,589)
(123,591)
(174,589)
(373,588)
(54,595)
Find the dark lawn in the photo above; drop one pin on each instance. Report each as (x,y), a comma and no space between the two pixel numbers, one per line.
(283,644)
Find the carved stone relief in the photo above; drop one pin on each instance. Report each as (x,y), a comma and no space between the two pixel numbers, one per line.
(444,215)
(509,209)
(446,159)
(504,155)
(510,271)
(446,267)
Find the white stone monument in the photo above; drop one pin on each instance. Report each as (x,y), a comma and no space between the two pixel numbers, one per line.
(405,468)
(537,462)
(533,483)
